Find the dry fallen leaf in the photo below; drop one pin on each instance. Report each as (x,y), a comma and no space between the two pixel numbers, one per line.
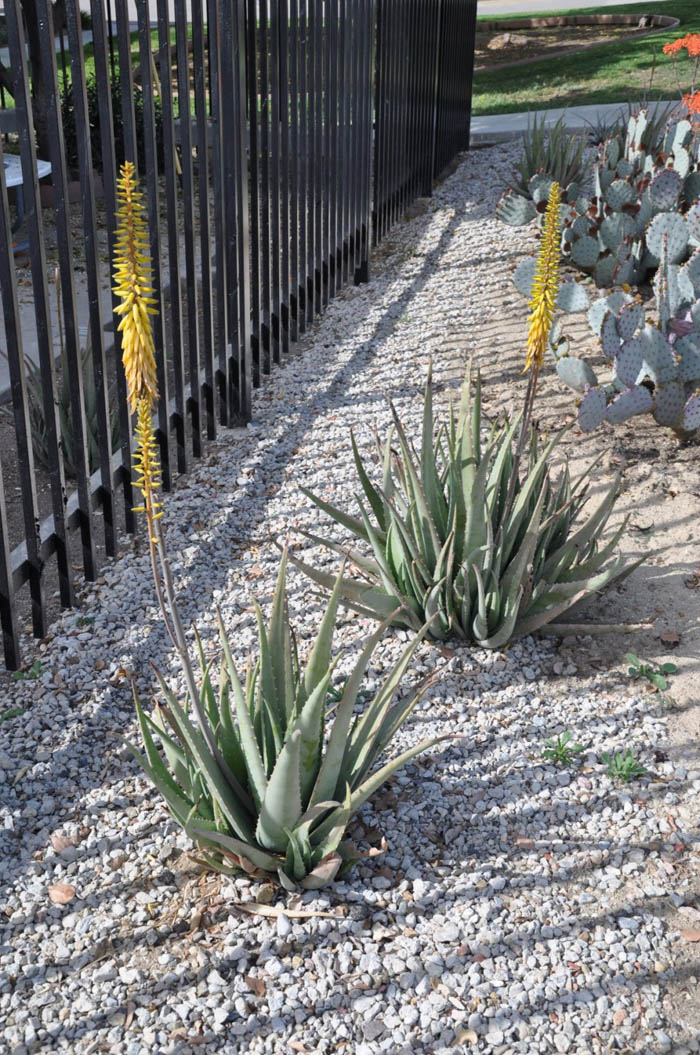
(671,639)
(467,1036)
(273,911)
(256,985)
(61,893)
(691,935)
(61,842)
(524,843)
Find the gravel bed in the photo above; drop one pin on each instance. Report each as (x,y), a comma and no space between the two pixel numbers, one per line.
(516,906)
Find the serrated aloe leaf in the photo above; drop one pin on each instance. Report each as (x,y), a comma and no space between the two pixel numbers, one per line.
(298,853)
(428,530)
(248,741)
(233,799)
(319,660)
(331,764)
(431,482)
(177,760)
(372,494)
(352,523)
(281,808)
(310,723)
(323,873)
(375,781)
(238,848)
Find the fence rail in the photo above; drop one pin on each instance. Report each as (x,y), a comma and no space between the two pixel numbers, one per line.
(276,141)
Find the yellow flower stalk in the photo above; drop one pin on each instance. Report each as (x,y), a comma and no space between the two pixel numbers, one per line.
(146,466)
(546,285)
(132,278)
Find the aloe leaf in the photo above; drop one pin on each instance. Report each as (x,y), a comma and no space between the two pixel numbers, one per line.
(323,873)
(238,848)
(428,532)
(269,690)
(249,744)
(319,661)
(154,766)
(228,738)
(310,724)
(362,598)
(313,814)
(352,523)
(429,474)
(364,564)
(327,780)
(277,638)
(397,715)
(295,857)
(177,760)
(372,494)
(281,807)
(237,811)
(375,781)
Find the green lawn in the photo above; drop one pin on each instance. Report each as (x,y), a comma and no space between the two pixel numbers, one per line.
(610,73)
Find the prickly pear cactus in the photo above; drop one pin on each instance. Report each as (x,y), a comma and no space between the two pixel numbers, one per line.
(655,367)
(517,210)
(638,199)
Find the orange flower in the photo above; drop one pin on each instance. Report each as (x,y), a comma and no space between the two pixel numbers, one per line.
(691,43)
(692,102)
(674,46)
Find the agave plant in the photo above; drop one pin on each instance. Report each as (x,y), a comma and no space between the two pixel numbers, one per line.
(459,537)
(260,776)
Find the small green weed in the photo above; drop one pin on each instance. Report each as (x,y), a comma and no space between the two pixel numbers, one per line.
(14,712)
(85,620)
(623,766)
(562,751)
(653,674)
(31,674)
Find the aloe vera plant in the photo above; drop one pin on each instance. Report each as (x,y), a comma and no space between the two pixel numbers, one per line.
(460,537)
(257,771)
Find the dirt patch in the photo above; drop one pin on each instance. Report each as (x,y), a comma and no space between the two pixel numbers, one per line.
(521,41)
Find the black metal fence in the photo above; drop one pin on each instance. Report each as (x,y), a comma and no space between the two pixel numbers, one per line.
(276,140)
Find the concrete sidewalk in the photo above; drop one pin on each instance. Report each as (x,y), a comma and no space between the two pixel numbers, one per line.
(498,128)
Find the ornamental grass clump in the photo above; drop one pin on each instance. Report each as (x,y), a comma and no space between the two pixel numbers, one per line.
(472,533)
(262,771)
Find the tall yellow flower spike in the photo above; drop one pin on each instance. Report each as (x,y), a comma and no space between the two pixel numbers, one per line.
(132,277)
(546,285)
(146,466)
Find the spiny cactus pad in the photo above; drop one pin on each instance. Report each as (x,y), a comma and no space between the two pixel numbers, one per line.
(591,411)
(691,414)
(668,230)
(669,399)
(629,361)
(576,373)
(665,189)
(515,210)
(585,251)
(633,401)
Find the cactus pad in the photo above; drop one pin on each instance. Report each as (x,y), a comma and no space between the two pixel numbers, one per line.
(659,362)
(629,362)
(605,269)
(668,229)
(691,187)
(572,297)
(619,193)
(692,219)
(692,267)
(585,252)
(632,401)
(670,403)
(609,337)
(576,373)
(666,189)
(524,276)
(691,414)
(629,318)
(616,228)
(687,349)
(591,411)
(515,210)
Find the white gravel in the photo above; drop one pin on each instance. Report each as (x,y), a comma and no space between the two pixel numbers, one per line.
(518,907)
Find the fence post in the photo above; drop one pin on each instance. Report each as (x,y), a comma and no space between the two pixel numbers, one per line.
(430,176)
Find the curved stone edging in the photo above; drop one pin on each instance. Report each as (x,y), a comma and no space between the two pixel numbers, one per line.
(659,23)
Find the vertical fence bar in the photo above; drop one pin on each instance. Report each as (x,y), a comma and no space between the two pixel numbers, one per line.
(23,439)
(187,205)
(327,205)
(266,189)
(275,187)
(203,140)
(8,611)
(92,275)
(317,54)
(221,325)
(171,167)
(73,354)
(305,215)
(285,184)
(105,83)
(362,273)
(23,105)
(294,169)
(240,266)
(253,85)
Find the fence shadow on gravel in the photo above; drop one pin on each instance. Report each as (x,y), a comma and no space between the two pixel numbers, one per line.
(278,140)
